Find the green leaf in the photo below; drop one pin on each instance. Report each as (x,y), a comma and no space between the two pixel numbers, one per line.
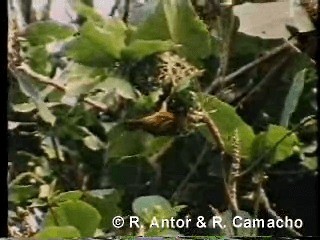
(92,141)
(98,45)
(266,141)
(29,90)
(39,60)
(76,213)
(139,49)
(156,147)
(81,79)
(88,12)
(187,29)
(148,31)
(176,20)
(41,33)
(65,196)
(119,85)
(21,193)
(148,207)
(65,232)
(123,143)
(165,233)
(227,122)
(310,163)
(292,98)
(106,201)
(76,87)
(24,107)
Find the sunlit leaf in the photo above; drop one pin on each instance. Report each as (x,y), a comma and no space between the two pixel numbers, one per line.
(58,232)
(227,122)
(29,90)
(106,202)
(139,49)
(40,33)
(277,143)
(148,207)
(292,98)
(118,85)
(177,21)
(97,45)
(75,213)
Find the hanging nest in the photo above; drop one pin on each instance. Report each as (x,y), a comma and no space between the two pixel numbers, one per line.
(162,71)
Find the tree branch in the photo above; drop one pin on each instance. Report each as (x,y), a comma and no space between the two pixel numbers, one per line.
(25,69)
(226,80)
(266,204)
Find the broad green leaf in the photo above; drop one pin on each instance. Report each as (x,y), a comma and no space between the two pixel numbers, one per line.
(176,20)
(88,12)
(81,79)
(311,163)
(92,141)
(39,60)
(98,45)
(139,49)
(148,207)
(29,90)
(165,233)
(65,196)
(106,201)
(124,143)
(24,107)
(119,85)
(187,29)
(21,193)
(227,122)
(266,141)
(65,232)
(134,167)
(76,213)
(157,146)
(76,87)
(292,98)
(148,31)
(41,33)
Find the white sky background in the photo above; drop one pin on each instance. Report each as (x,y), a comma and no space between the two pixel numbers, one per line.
(61,10)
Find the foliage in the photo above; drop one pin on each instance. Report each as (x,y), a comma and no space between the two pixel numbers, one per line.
(73,156)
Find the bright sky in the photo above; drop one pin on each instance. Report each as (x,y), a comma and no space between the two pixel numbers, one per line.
(61,11)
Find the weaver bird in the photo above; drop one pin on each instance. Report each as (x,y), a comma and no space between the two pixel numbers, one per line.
(159,123)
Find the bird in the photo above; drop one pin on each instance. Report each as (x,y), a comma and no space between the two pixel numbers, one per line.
(158,123)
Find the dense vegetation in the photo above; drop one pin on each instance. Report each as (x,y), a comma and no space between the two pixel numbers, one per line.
(180,115)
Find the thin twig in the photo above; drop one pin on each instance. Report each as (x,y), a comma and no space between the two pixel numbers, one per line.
(56,148)
(23,175)
(226,80)
(191,172)
(266,78)
(215,133)
(260,177)
(125,17)
(114,8)
(234,170)
(25,69)
(266,204)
